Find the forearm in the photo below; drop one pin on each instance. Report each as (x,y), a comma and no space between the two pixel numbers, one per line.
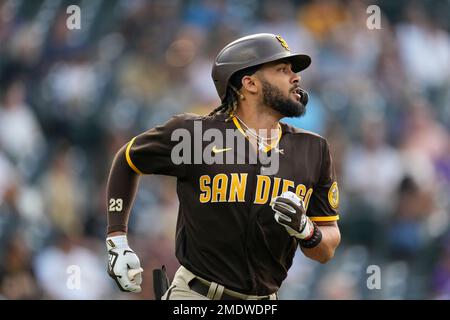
(324,251)
(121,191)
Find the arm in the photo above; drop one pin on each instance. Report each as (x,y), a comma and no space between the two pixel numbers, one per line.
(148,153)
(317,240)
(124,265)
(323,206)
(121,191)
(331,237)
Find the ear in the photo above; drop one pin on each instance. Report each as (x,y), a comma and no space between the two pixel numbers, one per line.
(249,83)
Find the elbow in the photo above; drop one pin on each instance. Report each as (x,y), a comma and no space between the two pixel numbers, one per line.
(328,254)
(321,257)
(325,258)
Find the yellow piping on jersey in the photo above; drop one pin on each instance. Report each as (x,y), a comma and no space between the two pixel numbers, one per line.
(238,125)
(266,149)
(330,218)
(127,156)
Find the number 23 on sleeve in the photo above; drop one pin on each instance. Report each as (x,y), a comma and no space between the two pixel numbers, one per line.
(115,205)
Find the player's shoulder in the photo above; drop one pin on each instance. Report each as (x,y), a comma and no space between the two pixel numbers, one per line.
(187,121)
(181,120)
(196,117)
(186,116)
(190,121)
(299,132)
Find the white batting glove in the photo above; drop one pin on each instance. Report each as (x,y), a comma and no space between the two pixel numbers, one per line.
(124,265)
(290,212)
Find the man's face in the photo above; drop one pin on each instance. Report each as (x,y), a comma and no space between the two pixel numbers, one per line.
(280,89)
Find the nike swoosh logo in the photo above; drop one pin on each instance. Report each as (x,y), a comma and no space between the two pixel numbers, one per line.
(215,150)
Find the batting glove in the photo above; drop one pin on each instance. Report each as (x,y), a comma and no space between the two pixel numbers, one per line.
(290,212)
(124,265)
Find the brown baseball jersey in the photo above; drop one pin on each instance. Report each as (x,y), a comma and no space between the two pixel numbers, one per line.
(226,231)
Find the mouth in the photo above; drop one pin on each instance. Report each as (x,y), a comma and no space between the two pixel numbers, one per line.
(297,93)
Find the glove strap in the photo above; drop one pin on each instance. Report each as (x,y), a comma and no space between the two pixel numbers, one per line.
(314,240)
(117,242)
(307,231)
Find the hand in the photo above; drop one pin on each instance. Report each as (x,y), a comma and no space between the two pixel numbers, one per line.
(124,265)
(290,212)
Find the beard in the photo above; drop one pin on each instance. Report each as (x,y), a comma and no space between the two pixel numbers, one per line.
(274,98)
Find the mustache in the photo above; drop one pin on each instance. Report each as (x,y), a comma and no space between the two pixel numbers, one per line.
(296,88)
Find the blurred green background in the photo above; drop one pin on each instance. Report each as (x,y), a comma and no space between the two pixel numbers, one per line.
(70,98)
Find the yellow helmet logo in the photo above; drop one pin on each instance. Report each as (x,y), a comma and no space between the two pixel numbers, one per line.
(283,43)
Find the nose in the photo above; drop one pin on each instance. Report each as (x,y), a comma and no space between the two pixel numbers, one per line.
(295,78)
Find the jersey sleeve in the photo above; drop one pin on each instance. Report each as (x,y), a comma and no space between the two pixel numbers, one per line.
(324,201)
(151,152)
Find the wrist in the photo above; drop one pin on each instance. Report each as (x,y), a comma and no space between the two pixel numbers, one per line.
(314,240)
(116,233)
(308,230)
(117,242)
(112,228)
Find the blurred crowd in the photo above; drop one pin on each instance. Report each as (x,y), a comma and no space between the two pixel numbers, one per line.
(69,99)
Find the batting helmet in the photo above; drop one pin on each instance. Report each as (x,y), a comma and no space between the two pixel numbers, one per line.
(251,51)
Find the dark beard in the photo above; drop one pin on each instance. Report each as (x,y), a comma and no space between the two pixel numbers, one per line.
(274,98)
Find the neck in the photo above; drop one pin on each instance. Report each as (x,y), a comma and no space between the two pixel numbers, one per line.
(258,118)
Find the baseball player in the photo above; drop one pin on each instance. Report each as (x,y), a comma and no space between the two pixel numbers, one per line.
(239,226)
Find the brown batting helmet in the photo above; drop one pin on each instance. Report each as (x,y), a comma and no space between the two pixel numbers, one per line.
(251,51)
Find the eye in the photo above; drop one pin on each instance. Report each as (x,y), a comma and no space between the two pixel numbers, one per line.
(282,69)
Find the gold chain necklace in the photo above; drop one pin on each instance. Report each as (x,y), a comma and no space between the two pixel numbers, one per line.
(261,144)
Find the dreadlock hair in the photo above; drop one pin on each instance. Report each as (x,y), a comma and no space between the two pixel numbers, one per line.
(230,103)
